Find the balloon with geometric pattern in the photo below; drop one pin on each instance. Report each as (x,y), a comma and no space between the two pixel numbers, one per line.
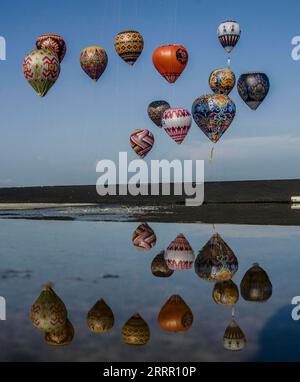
(229,33)
(41,69)
(136,331)
(129,45)
(62,336)
(93,60)
(176,123)
(144,237)
(253,88)
(175,316)
(222,81)
(234,339)
(141,141)
(54,42)
(179,255)
(100,318)
(156,110)
(48,313)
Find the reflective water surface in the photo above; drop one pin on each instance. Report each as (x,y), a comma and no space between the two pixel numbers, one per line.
(185,299)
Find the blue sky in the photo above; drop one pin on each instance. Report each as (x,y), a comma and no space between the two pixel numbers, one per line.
(59,139)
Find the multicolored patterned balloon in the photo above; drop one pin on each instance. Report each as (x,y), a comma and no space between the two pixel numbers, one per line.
(179,255)
(229,33)
(234,339)
(159,266)
(156,110)
(213,113)
(170,61)
(62,336)
(216,261)
(176,123)
(141,141)
(129,45)
(225,293)
(41,69)
(136,331)
(48,313)
(256,285)
(54,42)
(253,88)
(222,81)
(144,237)
(93,61)
(175,316)
(100,318)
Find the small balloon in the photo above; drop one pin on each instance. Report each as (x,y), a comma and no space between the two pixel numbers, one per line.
(176,123)
(253,88)
(129,45)
(136,331)
(234,339)
(256,285)
(54,42)
(175,316)
(144,237)
(170,61)
(142,142)
(93,61)
(100,318)
(225,293)
(156,110)
(159,267)
(179,255)
(229,33)
(222,81)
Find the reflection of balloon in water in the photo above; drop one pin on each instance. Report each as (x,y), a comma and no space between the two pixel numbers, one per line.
(93,61)
(175,316)
(41,69)
(53,42)
(141,142)
(213,113)
(136,331)
(62,336)
(226,293)
(179,255)
(253,88)
(159,266)
(129,45)
(176,123)
(144,237)
(170,61)
(100,318)
(216,261)
(256,285)
(229,34)
(156,110)
(48,313)
(234,339)
(222,81)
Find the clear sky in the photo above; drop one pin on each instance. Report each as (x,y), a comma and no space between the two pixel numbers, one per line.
(58,139)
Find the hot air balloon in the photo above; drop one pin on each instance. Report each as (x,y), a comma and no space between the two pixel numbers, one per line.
(100,318)
(216,261)
(253,88)
(62,336)
(170,61)
(48,313)
(176,123)
(41,69)
(129,45)
(53,42)
(225,293)
(156,110)
(234,339)
(144,237)
(136,331)
(213,113)
(141,141)
(159,266)
(256,285)
(175,316)
(229,34)
(93,61)
(222,81)
(179,255)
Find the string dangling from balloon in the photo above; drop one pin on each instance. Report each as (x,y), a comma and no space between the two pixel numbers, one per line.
(233,312)
(212,153)
(228,61)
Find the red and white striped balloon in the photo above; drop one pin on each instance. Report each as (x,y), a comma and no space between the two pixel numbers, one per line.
(177,122)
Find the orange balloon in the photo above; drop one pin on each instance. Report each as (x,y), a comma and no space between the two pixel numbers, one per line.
(170,61)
